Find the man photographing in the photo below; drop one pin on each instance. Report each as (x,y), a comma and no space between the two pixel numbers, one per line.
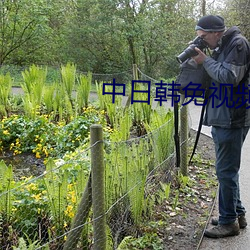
(228,112)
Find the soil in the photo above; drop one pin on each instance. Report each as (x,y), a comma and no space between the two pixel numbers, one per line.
(186,223)
(25,164)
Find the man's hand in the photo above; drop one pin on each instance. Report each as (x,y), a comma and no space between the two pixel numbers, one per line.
(200,58)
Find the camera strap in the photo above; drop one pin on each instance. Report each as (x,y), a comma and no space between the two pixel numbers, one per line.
(199,127)
(176,130)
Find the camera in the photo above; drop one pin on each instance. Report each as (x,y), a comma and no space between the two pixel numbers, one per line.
(190,51)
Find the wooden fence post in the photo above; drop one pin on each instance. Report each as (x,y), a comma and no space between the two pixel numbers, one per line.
(135,77)
(135,72)
(98,194)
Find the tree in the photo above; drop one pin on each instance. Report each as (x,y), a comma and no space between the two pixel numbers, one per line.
(237,13)
(21,21)
(109,36)
(102,36)
(95,40)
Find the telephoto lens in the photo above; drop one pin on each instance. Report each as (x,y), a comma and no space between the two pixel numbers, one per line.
(190,51)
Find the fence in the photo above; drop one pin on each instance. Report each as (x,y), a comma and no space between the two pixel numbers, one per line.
(133,177)
(95,202)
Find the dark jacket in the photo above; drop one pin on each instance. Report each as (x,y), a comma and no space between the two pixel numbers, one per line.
(229,105)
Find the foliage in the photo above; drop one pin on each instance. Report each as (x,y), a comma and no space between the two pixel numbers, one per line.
(142,109)
(5,90)
(30,204)
(48,199)
(106,36)
(54,98)
(23,25)
(56,184)
(147,241)
(51,201)
(45,206)
(123,121)
(161,128)
(164,192)
(6,184)
(48,98)
(16,71)
(44,138)
(83,90)
(116,35)
(68,73)
(22,245)
(34,81)
(127,168)
(236,13)
(113,107)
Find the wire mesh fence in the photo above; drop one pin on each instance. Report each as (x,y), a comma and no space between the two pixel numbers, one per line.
(46,210)
(56,209)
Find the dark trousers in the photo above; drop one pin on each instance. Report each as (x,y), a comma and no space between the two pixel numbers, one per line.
(228,145)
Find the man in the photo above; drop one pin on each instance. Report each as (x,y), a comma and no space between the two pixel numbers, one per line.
(228,112)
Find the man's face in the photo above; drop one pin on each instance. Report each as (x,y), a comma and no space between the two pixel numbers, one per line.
(211,38)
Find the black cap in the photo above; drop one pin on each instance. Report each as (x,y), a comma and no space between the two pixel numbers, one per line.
(210,23)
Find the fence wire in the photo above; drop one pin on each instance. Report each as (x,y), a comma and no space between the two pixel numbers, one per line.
(44,210)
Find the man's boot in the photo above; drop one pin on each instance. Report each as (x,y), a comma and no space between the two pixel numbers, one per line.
(221,231)
(241,219)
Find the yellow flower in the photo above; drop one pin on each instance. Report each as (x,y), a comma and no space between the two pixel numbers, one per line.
(6,132)
(14,209)
(37,196)
(38,155)
(26,178)
(69,211)
(16,152)
(103,112)
(31,186)
(45,151)
(73,199)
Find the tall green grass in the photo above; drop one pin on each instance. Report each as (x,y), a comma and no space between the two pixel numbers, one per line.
(33,85)
(5,90)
